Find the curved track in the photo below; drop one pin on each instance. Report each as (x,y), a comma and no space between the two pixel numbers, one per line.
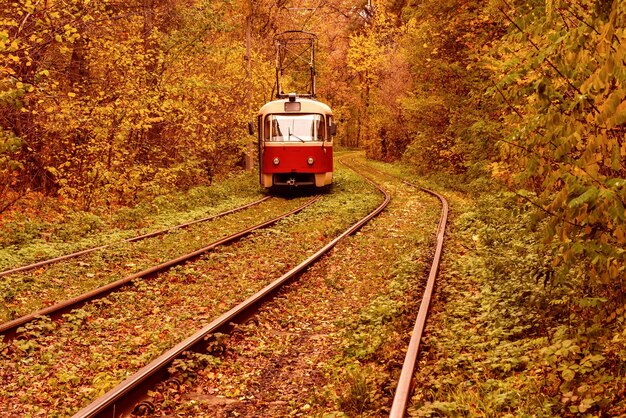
(124,398)
(132,239)
(9,329)
(403,390)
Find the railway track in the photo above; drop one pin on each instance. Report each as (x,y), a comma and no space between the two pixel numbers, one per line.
(402,392)
(131,395)
(132,239)
(403,389)
(9,329)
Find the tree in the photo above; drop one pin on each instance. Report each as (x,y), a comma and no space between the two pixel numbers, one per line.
(105,102)
(559,73)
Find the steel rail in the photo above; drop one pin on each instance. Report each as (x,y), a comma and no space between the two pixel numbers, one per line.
(120,400)
(132,239)
(403,389)
(9,329)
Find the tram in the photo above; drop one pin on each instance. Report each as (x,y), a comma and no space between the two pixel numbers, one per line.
(295,132)
(295,143)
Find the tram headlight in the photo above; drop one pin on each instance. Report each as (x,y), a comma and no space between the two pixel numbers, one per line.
(276,161)
(310,161)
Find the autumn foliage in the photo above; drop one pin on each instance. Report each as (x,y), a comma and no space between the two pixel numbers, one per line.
(528,97)
(105,102)
(563,82)
(525,95)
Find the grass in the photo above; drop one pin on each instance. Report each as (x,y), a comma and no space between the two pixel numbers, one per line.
(481,352)
(27,236)
(372,341)
(28,291)
(504,337)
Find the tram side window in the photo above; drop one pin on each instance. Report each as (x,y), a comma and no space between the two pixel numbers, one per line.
(330,127)
(266,129)
(321,129)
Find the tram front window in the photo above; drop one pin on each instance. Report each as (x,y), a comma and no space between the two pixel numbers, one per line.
(297,128)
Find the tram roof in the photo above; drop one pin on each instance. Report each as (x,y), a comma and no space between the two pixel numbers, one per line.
(307,106)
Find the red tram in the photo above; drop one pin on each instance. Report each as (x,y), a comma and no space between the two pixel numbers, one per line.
(295,143)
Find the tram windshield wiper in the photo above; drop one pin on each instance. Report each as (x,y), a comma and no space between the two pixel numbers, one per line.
(289,135)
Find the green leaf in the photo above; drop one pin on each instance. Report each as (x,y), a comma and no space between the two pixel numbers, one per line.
(588,196)
(568,375)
